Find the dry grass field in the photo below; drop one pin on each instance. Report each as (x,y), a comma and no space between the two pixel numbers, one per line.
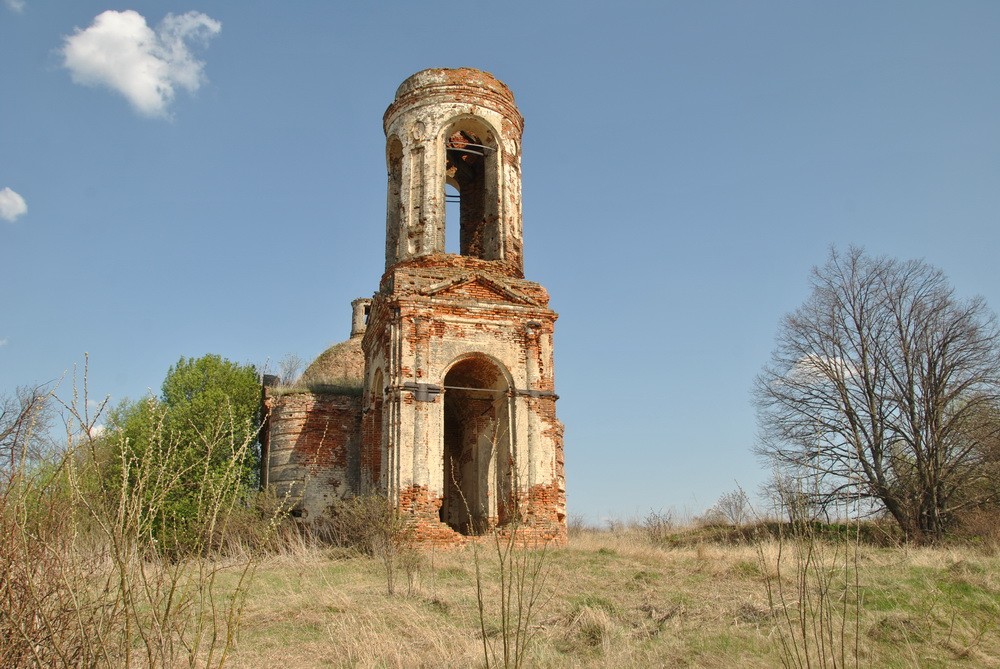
(617,599)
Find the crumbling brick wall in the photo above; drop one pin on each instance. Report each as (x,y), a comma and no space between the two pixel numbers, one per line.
(312,448)
(432,315)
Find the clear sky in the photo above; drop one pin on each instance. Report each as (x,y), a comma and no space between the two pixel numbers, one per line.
(209,177)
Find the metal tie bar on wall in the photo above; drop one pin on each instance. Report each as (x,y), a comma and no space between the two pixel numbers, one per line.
(479,390)
(511,391)
(462,149)
(427,392)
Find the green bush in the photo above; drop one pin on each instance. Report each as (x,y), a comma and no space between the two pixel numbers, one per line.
(198,441)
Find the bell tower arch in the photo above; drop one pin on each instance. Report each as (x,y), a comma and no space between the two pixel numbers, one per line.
(461,128)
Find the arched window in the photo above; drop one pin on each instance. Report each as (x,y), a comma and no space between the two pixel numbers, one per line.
(372,456)
(471,169)
(394,198)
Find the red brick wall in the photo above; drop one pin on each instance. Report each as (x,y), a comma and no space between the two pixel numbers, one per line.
(313,447)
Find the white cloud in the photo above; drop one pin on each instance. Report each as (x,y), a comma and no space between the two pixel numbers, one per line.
(16,6)
(121,52)
(12,205)
(3,342)
(813,369)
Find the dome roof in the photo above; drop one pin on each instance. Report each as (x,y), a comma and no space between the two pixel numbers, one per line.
(443,78)
(450,87)
(341,365)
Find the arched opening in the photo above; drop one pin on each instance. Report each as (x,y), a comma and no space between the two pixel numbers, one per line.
(478,467)
(471,169)
(371,441)
(394,196)
(452,219)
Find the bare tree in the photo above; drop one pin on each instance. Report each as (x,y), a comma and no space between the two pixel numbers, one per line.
(788,499)
(881,390)
(732,508)
(24,420)
(288,369)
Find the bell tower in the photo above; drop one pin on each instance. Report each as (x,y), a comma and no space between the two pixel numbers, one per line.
(461,128)
(459,425)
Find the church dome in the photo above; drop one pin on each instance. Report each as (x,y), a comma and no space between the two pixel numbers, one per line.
(443,79)
(341,365)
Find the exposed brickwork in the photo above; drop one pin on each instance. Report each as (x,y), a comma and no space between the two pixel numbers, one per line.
(313,447)
(456,421)
(371,447)
(424,507)
(535,525)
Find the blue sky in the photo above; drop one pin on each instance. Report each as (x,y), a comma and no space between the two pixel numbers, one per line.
(685,164)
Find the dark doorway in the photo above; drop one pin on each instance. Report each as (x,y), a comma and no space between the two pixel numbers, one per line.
(478,467)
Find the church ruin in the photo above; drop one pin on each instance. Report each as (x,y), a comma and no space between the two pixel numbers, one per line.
(443,399)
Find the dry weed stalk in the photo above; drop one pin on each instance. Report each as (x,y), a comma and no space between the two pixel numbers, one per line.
(522,573)
(91,570)
(819,618)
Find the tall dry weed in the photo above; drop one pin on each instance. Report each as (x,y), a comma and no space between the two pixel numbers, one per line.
(522,570)
(814,590)
(89,574)
(372,525)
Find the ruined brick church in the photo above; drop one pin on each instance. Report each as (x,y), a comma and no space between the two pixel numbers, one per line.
(443,399)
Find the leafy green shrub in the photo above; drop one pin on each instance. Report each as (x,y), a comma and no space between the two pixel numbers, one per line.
(200,436)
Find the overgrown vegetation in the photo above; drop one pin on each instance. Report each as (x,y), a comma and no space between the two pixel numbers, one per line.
(318,388)
(370,525)
(201,434)
(618,599)
(137,545)
(118,547)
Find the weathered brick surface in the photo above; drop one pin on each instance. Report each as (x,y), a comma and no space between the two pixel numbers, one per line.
(433,108)
(313,445)
(457,421)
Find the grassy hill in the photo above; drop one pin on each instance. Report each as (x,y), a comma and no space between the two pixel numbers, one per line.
(616,599)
